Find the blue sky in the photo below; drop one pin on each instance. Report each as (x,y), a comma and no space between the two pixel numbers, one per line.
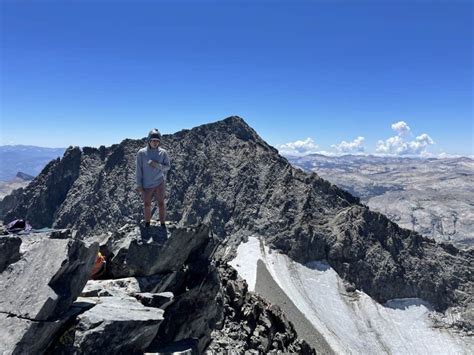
(92,73)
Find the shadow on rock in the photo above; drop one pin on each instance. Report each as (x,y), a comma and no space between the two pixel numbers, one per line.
(155,234)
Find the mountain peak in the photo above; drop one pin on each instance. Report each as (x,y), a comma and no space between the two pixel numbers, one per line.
(234,120)
(24,176)
(226,132)
(233,125)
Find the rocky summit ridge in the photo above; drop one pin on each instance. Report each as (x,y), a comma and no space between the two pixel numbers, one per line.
(143,303)
(226,177)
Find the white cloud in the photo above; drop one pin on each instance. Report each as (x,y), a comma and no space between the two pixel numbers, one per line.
(404,143)
(399,145)
(393,145)
(300,147)
(357,145)
(401,128)
(419,145)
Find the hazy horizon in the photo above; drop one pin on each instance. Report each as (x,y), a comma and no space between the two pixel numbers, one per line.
(331,155)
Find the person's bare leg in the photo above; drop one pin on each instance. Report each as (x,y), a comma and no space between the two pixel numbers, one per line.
(147,198)
(160,197)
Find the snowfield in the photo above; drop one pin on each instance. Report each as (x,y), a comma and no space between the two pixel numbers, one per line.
(351,323)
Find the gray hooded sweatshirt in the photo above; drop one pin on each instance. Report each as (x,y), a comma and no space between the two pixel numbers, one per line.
(148,176)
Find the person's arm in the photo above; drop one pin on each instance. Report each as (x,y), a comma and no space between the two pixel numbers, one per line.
(139,172)
(166,165)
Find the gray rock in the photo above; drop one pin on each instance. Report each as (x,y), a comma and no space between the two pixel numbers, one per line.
(125,287)
(9,251)
(182,347)
(197,304)
(47,279)
(3,230)
(157,300)
(389,262)
(194,312)
(38,202)
(11,196)
(252,324)
(132,253)
(63,234)
(180,246)
(161,282)
(24,336)
(131,287)
(114,325)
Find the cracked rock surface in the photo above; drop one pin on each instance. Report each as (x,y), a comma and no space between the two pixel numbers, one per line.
(39,283)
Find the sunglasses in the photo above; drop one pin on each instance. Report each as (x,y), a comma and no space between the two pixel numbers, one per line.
(155,140)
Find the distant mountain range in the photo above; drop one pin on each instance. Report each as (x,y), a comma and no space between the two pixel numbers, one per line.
(25,158)
(431,196)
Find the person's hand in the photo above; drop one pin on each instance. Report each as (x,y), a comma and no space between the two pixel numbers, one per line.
(140,189)
(154,164)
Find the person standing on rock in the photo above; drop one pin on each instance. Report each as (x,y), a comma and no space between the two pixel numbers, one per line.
(152,166)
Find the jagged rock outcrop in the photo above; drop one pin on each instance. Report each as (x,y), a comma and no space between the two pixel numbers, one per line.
(197,304)
(251,323)
(40,200)
(127,287)
(40,280)
(9,251)
(413,266)
(25,336)
(11,201)
(43,274)
(134,251)
(115,325)
(47,278)
(223,174)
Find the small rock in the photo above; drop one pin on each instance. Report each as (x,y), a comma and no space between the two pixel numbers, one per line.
(157,300)
(115,325)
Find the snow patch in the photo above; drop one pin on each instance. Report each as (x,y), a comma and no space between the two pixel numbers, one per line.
(246,260)
(350,322)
